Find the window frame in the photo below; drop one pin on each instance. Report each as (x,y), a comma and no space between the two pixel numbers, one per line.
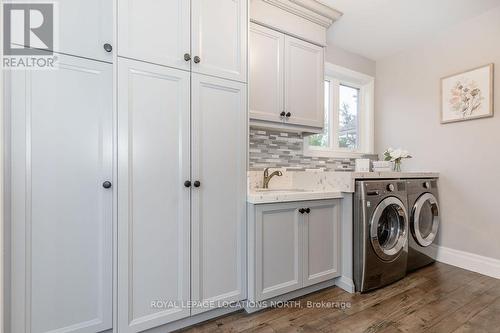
(337,76)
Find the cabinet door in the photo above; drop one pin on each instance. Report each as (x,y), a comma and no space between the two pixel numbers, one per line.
(153,204)
(62,152)
(321,242)
(304,82)
(266,57)
(219,38)
(84,26)
(278,250)
(155,31)
(219,130)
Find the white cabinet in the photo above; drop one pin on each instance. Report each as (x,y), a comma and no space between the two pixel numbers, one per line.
(322,236)
(155,31)
(84,26)
(219,134)
(291,246)
(278,247)
(182,193)
(304,83)
(219,38)
(286,80)
(209,37)
(266,58)
(154,206)
(61,230)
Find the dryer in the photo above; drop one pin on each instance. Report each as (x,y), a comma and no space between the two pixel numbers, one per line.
(380,233)
(424,221)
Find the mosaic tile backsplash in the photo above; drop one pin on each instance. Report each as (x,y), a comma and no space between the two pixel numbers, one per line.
(285,150)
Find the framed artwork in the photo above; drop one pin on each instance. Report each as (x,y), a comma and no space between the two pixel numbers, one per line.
(467,95)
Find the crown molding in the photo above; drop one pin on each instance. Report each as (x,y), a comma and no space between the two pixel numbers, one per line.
(310,10)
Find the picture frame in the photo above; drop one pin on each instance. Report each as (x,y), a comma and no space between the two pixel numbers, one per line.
(467,95)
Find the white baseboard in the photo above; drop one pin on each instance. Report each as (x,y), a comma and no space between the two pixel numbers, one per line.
(345,283)
(466,260)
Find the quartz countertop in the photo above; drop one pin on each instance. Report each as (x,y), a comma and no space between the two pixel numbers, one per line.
(315,184)
(393,175)
(275,196)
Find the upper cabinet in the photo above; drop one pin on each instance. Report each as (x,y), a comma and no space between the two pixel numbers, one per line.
(85,27)
(155,31)
(286,79)
(208,37)
(266,58)
(286,63)
(219,38)
(304,80)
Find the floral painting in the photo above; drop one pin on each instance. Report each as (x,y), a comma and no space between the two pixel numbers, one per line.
(467,95)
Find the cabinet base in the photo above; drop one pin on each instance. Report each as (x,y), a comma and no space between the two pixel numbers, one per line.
(342,282)
(196,319)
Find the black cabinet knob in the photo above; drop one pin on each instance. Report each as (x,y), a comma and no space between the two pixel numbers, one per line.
(288,114)
(302,211)
(187,56)
(187,183)
(197,60)
(282,113)
(106,184)
(308,210)
(197,183)
(108,47)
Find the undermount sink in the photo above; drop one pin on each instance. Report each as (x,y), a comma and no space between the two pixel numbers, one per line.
(270,190)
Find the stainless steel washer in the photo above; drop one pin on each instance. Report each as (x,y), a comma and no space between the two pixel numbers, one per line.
(380,233)
(424,222)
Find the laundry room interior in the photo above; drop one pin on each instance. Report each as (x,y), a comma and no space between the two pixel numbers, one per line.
(250,166)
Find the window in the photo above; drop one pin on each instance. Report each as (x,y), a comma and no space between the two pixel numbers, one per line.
(348,130)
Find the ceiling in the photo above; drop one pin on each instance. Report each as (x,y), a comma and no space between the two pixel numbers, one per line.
(380,28)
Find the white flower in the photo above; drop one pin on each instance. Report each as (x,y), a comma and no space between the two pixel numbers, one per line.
(396,154)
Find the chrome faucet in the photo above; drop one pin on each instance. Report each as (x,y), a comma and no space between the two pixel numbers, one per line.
(267,177)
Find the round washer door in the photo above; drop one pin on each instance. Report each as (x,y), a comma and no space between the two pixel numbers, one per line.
(388,228)
(424,222)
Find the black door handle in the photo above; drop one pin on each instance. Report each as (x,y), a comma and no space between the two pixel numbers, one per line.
(187,56)
(106,184)
(108,47)
(288,114)
(197,60)
(302,211)
(283,113)
(197,183)
(308,210)
(187,183)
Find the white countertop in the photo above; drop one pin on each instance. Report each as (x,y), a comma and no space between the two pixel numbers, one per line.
(290,195)
(315,184)
(393,175)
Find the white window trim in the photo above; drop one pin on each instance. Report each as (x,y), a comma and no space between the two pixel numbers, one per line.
(366,84)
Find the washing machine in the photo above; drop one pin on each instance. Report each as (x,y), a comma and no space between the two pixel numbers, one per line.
(380,233)
(424,222)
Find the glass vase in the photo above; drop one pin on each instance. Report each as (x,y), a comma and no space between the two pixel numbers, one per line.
(397,166)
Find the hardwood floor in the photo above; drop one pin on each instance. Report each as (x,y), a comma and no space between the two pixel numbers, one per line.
(438,298)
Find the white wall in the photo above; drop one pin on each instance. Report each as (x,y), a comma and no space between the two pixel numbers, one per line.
(353,61)
(467,154)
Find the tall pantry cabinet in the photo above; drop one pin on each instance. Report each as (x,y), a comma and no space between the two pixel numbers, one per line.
(59,180)
(182,117)
(128,202)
